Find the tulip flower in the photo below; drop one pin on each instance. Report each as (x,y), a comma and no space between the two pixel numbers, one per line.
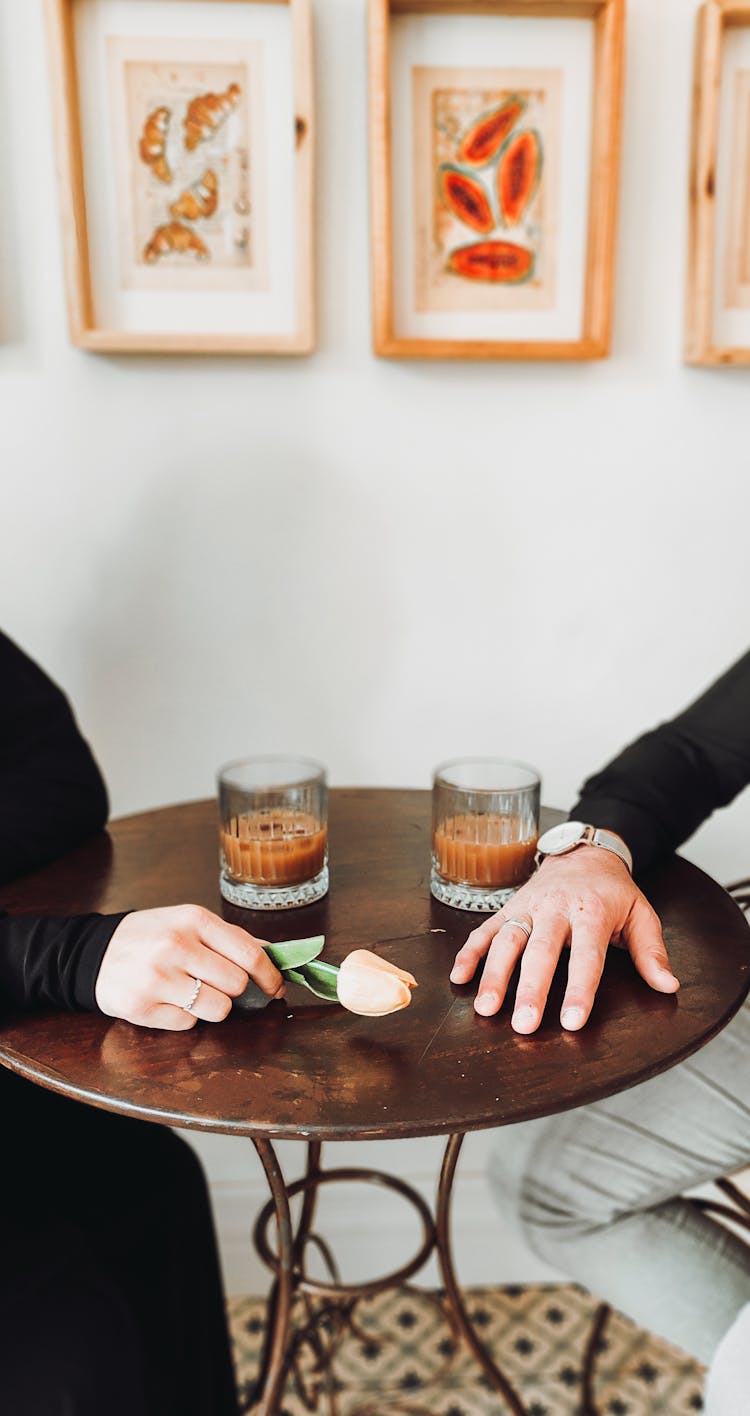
(372,987)
(364,983)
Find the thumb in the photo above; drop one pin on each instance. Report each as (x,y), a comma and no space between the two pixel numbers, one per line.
(644,939)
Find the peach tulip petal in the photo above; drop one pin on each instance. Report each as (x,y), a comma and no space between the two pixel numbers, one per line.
(368,959)
(371,992)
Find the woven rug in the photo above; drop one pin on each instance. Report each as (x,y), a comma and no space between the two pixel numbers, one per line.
(537,1335)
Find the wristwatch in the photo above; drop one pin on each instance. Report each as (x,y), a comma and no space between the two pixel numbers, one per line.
(570,834)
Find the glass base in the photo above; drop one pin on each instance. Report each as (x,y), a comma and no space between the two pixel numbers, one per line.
(469,897)
(274,897)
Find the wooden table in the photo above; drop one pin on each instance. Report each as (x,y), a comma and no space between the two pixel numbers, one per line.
(308,1070)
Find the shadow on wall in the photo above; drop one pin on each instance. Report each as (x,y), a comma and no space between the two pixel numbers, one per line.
(246,606)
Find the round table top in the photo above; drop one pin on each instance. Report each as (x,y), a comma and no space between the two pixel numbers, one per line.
(307,1069)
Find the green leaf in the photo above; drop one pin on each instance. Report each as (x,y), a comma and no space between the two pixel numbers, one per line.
(293,953)
(319,978)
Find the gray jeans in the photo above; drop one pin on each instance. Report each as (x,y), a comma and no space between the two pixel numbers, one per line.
(598,1192)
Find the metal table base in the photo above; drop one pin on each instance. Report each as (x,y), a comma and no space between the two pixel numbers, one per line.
(329,1306)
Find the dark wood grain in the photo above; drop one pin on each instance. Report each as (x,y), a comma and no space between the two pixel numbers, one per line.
(308,1069)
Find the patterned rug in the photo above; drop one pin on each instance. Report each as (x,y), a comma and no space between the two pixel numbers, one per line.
(399,1341)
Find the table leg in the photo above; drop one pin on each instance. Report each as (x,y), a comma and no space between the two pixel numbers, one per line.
(452,1291)
(273,1366)
(309,1197)
(288,1268)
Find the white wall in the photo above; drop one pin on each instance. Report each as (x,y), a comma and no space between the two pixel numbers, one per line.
(375,563)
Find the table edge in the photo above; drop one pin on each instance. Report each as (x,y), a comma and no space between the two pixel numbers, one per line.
(161,1116)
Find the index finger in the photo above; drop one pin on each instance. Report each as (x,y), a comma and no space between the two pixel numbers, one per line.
(473,951)
(243,949)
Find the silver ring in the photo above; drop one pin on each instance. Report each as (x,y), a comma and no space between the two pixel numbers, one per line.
(188,1007)
(521,924)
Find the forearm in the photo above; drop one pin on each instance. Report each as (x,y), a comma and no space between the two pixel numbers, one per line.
(658,791)
(52,962)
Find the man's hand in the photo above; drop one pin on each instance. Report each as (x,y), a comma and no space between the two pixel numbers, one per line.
(585,899)
(155,957)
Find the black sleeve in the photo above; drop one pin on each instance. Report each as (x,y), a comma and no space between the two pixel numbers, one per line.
(50,961)
(52,795)
(659,789)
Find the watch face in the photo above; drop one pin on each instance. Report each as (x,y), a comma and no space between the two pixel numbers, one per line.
(561,838)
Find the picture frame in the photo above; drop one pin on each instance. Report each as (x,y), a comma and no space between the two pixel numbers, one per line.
(717,307)
(444,283)
(184,135)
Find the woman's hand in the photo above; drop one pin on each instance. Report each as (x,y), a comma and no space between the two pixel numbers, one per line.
(584,898)
(155,958)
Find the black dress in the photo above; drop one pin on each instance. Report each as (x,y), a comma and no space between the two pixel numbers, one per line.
(111,1301)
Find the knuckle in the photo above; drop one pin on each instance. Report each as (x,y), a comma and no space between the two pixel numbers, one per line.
(170,940)
(539,945)
(239,984)
(193,916)
(254,954)
(588,950)
(558,901)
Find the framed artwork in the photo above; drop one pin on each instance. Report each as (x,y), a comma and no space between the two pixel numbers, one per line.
(717,327)
(184,134)
(494,152)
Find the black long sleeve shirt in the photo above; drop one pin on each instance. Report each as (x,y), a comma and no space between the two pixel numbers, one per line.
(659,789)
(52,797)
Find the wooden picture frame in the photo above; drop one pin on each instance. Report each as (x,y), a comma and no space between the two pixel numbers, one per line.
(716,330)
(228,286)
(404,327)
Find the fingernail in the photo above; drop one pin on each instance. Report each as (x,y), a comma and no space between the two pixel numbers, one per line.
(525,1018)
(573,1018)
(487,1003)
(457,974)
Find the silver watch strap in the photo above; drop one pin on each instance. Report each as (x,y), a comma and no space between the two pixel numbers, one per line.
(597,836)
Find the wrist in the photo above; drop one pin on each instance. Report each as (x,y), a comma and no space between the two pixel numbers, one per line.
(571,836)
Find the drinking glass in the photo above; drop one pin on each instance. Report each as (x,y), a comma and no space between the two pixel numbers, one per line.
(485,824)
(273,832)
